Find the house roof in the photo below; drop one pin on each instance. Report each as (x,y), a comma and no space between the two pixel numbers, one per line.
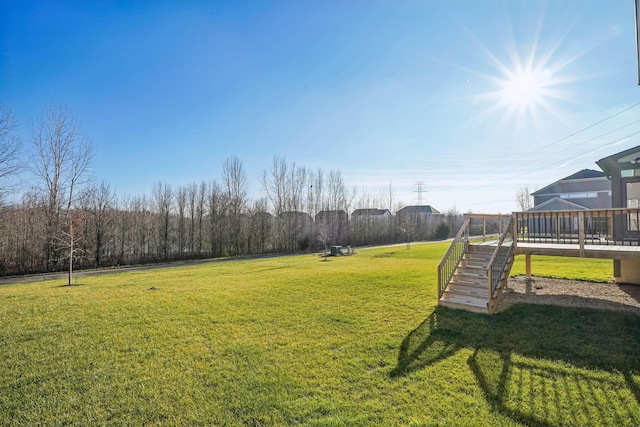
(427,209)
(586,180)
(557,204)
(585,173)
(627,159)
(370,212)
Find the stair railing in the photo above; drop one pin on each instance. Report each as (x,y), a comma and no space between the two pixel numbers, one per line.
(452,257)
(496,267)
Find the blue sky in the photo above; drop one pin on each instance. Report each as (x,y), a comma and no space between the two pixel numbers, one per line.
(475,99)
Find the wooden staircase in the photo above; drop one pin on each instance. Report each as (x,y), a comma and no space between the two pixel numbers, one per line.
(468,288)
(472,276)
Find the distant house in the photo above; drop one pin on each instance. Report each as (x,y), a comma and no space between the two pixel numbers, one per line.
(368,214)
(419,222)
(586,189)
(415,211)
(370,226)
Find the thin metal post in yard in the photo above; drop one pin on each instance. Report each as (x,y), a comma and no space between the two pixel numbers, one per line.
(71,255)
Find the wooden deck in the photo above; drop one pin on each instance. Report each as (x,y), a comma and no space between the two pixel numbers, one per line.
(574,250)
(467,281)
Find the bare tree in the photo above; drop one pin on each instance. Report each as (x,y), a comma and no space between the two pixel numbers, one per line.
(274,184)
(99,199)
(181,204)
(10,160)
(234,180)
(200,212)
(523,198)
(60,160)
(216,207)
(163,200)
(192,193)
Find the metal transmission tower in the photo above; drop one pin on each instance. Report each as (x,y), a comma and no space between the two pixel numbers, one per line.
(419,185)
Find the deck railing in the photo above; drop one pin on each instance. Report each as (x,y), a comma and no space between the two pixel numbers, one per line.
(502,254)
(452,257)
(619,226)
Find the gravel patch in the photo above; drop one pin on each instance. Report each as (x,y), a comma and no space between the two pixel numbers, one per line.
(571,293)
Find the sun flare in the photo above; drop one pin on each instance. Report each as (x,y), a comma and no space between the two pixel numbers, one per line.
(525,89)
(529,82)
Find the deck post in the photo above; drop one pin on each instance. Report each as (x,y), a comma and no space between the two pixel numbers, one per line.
(527,261)
(514,231)
(484,229)
(581,233)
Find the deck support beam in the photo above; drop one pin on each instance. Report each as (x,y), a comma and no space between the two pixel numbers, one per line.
(627,271)
(527,261)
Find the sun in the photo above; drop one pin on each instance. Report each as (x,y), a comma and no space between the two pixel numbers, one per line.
(526,83)
(526,89)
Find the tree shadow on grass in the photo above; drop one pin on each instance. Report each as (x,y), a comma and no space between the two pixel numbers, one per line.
(540,364)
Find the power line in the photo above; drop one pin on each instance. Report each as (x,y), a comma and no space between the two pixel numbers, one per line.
(585,128)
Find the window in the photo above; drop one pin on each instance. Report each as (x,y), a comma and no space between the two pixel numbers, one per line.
(589,195)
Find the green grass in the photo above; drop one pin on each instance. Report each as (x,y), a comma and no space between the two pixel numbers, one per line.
(589,269)
(298,341)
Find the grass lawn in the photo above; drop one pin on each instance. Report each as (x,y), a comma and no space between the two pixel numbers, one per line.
(297,341)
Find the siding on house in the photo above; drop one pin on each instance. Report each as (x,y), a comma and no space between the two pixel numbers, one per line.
(586,189)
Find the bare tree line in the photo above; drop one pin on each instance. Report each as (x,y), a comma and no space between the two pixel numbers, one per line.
(66,219)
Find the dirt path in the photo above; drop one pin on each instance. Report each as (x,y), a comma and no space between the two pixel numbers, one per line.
(571,293)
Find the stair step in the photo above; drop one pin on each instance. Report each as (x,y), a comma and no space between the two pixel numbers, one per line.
(471,257)
(469,281)
(472,275)
(474,263)
(468,285)
(461,305)
(466,298)
(462,292)
(472,269)
(481,250)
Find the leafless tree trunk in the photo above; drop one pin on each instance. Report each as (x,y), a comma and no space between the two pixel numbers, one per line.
(216,206)
(99,199)
(181,203)
(202,196)
(163,199)
(60,159)
(274,184)
(10,160)
(192,192)
(234,181)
